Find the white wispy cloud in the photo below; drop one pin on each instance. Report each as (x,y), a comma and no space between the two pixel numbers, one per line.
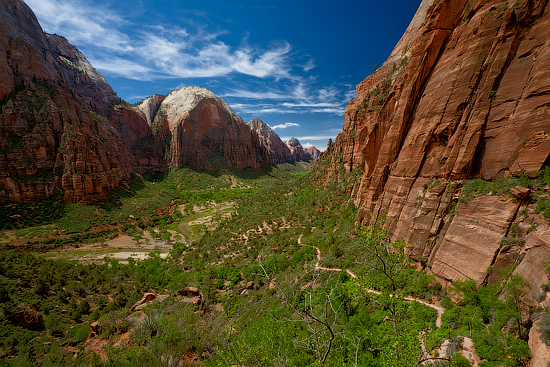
(293,97)
(120,48)
(285,125)
(161,52)
(260,95)
(125,68)
(311,104)
(82,23)
(309,66)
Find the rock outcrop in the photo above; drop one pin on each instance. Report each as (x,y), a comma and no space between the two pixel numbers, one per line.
(313,152)
(464,94)
(54,133)
(297,150)
(279,152)
(206,133)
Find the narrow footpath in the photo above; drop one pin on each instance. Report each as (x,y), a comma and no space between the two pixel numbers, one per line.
(468,351)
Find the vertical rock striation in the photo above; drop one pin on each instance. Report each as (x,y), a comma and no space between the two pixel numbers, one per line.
(54,132)
(465,93)
(279,152)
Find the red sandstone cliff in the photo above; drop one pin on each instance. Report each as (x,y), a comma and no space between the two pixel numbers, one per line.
(205,133)
(313,152)
(278,151)
(297,150)
(464,94)
(53,133)
(145,145)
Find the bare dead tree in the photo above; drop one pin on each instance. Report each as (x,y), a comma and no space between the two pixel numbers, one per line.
(316,321)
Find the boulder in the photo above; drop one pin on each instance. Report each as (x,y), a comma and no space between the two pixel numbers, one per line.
(190,294)
(29,319)
(147,297)
(520,192)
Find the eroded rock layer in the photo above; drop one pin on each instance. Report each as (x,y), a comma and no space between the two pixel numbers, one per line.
(465,94)
(278,151)
(54,136)
(205,133)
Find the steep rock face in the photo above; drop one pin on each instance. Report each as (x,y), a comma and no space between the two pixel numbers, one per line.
(473,238)
(278,150)
(313,152)
(206,133)
(150,106)
(53,133)
(464,94)
(146,148)
(297,150)
(88,85)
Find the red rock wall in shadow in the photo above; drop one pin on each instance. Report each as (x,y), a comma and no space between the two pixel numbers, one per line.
(278,151)
(146,148)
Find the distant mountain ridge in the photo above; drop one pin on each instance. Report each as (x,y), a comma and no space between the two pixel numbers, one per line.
(64,130)
(292,150)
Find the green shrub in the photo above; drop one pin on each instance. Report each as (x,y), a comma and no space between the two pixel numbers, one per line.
(114,322)
(79,333)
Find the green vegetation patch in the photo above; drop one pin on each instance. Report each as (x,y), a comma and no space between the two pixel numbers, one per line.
(538,183)
(266,296)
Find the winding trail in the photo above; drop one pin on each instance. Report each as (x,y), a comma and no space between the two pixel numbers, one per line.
(318,266)
(468,349)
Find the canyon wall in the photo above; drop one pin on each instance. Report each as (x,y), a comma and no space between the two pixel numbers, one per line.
(63,130)
(465,94)
(54,136)
(278,151)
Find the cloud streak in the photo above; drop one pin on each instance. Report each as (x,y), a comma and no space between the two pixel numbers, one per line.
(285,125)
(277,79)
(81,23)
(156,51)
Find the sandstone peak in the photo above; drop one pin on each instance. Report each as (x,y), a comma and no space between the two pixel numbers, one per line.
(150,106)
(293,142)
(180,102)
(278,151)
(298,151)
(313,152)
(204,132)
(260,126)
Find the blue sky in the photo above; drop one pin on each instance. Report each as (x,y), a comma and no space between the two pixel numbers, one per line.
(293,64)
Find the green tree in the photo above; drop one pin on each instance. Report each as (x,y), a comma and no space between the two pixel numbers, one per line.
(389,266)
(514,290)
